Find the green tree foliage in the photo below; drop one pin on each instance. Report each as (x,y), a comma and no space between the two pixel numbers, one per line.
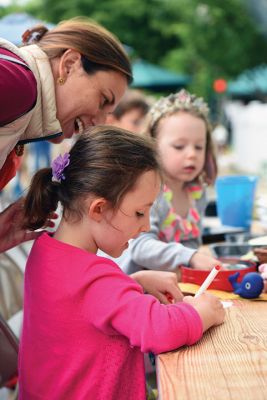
(206,39)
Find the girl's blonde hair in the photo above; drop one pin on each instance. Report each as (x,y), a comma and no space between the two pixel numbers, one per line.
(99,48)
(196,106)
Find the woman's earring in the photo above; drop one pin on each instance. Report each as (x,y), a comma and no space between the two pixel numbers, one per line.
(60,81)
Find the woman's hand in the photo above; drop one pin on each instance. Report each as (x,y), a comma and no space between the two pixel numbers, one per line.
(12,232)
(202,261)
(160,284)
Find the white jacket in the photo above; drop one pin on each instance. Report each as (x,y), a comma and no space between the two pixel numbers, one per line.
(41,121)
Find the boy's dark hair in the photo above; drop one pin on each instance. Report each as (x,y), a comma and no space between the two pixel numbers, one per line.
(105,162)
(132,104)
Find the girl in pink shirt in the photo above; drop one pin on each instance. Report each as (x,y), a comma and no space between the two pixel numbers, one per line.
(87,324)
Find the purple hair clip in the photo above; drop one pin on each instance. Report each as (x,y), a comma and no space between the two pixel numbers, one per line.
(58,166)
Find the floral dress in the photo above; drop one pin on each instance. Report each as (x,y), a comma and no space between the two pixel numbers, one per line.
(179,229)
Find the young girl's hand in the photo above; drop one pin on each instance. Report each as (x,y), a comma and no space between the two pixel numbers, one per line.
(203,261)
(161,284)
(209,308)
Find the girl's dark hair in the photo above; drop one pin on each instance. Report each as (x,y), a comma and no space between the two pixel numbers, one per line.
(100,49)
(104,162)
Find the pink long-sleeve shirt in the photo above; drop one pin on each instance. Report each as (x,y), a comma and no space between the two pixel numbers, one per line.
(86,325)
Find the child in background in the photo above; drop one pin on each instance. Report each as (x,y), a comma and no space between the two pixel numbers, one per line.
(130,113)
(86,323)
(180,125)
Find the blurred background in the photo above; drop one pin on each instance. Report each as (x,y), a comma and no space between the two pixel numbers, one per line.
(217,50)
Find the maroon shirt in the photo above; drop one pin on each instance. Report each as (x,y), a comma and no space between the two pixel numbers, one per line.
(18,89)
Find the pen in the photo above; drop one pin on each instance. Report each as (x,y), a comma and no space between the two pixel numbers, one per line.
(208,280)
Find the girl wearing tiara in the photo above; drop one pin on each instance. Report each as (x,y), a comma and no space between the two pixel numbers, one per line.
(179,124)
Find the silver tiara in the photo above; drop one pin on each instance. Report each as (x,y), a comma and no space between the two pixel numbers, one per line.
(180,101)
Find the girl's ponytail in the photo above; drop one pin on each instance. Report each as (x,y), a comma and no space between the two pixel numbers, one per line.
(41,200)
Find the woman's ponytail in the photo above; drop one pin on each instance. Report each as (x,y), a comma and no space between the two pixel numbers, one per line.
(33,35)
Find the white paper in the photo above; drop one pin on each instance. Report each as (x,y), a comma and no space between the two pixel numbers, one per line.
(227,304)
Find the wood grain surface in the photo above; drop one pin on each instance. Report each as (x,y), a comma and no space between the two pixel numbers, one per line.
(229,362)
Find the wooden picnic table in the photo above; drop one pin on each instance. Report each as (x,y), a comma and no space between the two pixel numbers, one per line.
(229,362)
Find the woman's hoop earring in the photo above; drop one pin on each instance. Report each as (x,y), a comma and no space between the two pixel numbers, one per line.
(60,81)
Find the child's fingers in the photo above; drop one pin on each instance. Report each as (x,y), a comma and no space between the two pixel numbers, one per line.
(163,298)
(175,293)
(169,297)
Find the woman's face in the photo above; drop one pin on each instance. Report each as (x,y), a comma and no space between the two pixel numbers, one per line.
(84,100)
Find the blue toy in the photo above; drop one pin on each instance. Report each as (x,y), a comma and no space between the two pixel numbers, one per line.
(250,287)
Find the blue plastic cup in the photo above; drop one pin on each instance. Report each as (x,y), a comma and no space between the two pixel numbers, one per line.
(235,199)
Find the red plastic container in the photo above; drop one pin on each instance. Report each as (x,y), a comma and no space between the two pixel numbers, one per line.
(221,282)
